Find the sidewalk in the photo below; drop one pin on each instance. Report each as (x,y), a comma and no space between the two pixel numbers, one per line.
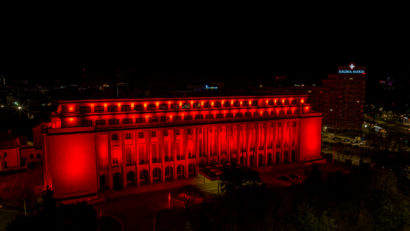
(133,190)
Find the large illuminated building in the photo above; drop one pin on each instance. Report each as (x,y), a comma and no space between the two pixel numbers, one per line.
(95,144)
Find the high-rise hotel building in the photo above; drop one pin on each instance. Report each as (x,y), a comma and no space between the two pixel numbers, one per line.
(344,97)
(94,144)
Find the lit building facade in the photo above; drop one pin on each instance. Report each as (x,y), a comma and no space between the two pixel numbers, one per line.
(90,145)
(345,96)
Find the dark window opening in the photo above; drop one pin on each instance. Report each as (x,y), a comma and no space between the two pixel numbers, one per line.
(85,109)
(98,109)
(127,121)
(114,121)
(100,122)
(138,107)
(112,108)
(125,108)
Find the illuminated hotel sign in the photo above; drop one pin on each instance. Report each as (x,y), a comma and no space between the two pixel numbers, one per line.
(352,69)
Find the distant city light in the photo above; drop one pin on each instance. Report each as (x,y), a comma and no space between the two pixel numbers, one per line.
(207,87)
(19,108)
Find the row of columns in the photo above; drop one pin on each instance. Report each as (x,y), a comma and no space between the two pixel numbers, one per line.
(217,141)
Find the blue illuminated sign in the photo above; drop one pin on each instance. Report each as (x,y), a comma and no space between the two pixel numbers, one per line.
(351,71)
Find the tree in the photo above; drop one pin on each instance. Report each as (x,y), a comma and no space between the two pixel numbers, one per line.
(308,220)
(238,179)
(188,195)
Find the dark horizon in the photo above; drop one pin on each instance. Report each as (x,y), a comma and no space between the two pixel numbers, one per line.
(298,57)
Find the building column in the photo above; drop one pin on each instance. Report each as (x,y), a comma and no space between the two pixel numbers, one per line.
(218,144)
(206,144)
(173,153)
(185,150)
(124,161)
(248,131)
(228,132)
(196,149)
(266,141)
(274,142)
(110,176)
(148,150)
(161,152)
(257,125)
(137,158)
(239,144)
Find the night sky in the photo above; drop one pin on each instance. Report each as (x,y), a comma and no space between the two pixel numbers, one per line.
(305,48)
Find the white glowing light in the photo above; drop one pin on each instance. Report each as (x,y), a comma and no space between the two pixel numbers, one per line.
(352,66)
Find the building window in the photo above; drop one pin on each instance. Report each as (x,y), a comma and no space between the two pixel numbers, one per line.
(189,131)
(199,117)
(125,108)
(138,107)
(100,122)
(163,106)
(153,134)
(174,106)
(152,106)
(86,123)
(114,121)
(188,117)
(153,119)
(5,154)
(85,109)
(127,136)
(140,135)
(139,120)
(219,115)
(98,109)
(209,116)
(227,104)
(112,108)
(114,137)
(127,121)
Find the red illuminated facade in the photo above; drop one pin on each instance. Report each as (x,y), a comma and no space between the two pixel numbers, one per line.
(93,144)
